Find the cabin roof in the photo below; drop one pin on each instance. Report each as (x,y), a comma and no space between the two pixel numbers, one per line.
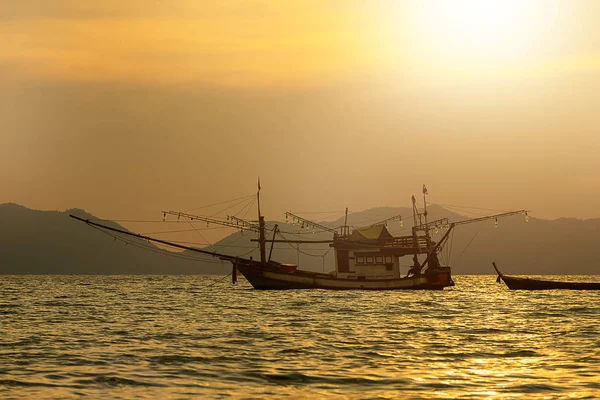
(372,233)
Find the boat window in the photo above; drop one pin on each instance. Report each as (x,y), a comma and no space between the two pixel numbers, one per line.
(379,260)
(388,260)
(369,260)
(388,267)
(360,259)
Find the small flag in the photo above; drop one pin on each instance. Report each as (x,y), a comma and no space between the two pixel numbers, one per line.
(258,183)
(424,189)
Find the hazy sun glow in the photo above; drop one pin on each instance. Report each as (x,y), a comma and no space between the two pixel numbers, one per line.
(479,31)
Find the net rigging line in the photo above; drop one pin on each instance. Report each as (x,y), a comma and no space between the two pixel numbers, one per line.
(221,246)
(467,213)
(247,209)
(303,252)
(297,234)
(466,247)
(254,248)
(247,199)
(137,220)
(302,231)
(246,253)
(184,230)
(219,281)
(156,249)
(219,203)
(446,251)
(318,212)
(324,219)
(191,209)
(186,242)
(193,229)
(377,218)
(198,232)
(150,247)
(469,207)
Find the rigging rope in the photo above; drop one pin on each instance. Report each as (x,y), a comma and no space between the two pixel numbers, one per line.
(297,248)
(222,202)
(154,248)
(186,230)
(198,232)
(468,207)
(248,208)
(220,280)
(230,207)
(465,249)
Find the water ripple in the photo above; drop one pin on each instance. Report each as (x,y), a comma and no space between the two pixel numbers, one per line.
(191,336)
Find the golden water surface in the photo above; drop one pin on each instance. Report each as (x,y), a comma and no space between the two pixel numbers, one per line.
(192,336)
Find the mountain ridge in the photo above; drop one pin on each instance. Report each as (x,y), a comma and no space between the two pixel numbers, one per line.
(49,242)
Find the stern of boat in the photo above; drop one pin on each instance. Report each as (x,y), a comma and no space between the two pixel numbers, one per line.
(440,276)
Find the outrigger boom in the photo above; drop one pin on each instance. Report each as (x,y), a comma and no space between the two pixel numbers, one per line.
(151,239)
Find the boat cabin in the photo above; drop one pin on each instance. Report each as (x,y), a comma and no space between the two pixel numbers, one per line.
(373,253)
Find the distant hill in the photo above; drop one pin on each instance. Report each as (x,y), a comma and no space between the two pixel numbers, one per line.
(49,242)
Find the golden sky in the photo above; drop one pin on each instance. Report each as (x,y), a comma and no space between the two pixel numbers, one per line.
(126,108)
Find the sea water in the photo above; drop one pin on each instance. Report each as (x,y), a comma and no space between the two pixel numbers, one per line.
(200,336)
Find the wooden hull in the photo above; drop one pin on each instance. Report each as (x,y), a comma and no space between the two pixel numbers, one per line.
(538,284)
(270,278)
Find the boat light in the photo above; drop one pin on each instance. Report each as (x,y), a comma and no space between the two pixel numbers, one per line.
(496,223)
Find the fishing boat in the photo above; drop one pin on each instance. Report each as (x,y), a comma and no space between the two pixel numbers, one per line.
(366,258)
(518,283)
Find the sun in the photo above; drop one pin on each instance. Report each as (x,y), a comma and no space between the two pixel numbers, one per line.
(477,28)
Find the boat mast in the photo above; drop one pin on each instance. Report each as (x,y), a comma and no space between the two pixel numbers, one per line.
(346,233)
(261,230)
(427,237)
(425,203)
(414,233)
(273,242)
